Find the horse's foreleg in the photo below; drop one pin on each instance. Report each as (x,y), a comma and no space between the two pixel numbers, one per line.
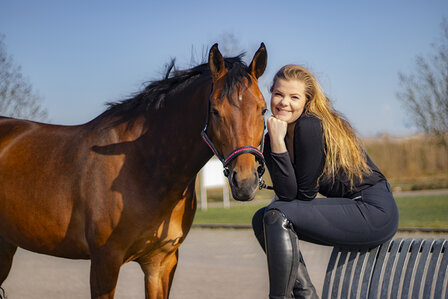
(7,251)
(159,273)
(104,269)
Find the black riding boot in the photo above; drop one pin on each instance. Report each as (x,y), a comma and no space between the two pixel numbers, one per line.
(282,253)
(303,287)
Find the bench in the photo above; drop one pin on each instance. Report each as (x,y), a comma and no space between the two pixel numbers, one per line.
(411,268)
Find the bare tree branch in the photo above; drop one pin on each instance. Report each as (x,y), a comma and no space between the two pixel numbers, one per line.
(17,98)
(425,92)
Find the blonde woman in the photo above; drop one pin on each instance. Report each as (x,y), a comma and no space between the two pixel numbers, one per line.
(311,149)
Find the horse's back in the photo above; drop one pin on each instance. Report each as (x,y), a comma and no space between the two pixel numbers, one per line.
(11,128)
(36,175)
(26,143)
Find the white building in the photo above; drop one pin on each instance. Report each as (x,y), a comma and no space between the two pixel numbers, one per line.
(212,176)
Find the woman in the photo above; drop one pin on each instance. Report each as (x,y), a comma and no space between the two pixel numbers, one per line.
(311,149)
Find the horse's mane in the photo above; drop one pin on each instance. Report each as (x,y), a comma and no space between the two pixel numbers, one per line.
(154,95)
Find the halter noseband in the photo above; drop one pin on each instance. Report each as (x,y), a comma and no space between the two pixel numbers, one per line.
(236,152)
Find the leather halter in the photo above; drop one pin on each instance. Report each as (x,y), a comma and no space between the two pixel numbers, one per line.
(258,153)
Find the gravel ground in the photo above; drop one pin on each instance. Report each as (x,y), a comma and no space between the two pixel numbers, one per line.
(213,263)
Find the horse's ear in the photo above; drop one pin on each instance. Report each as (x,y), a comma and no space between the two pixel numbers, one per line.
(216,62)
(258,64)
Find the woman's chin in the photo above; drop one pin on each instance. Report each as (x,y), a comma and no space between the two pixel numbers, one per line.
(284,118)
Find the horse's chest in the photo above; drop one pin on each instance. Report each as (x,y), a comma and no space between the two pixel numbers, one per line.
(170,229)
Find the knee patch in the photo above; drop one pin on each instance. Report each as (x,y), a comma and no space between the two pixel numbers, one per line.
(273,215)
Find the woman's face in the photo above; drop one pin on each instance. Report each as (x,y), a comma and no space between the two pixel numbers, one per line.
(288,99)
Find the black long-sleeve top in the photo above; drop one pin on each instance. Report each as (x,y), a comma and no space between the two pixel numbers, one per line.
(299,180)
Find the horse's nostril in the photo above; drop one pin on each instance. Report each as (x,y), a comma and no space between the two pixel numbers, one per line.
(260,170)
(234,180)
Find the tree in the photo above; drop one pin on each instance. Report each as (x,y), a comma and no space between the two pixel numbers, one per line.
(425,92)
(229,44)
(17,98)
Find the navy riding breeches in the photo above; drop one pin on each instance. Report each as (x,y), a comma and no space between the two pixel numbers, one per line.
(368,220)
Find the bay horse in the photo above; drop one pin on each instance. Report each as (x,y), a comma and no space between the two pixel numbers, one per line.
(121,187)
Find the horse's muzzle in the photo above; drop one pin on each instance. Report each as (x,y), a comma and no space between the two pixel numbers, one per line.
(243,189)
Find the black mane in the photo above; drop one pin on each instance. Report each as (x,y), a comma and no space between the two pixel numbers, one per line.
(155,93)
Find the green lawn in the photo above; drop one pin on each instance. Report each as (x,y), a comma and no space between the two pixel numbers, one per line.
(423,211)
(416,211)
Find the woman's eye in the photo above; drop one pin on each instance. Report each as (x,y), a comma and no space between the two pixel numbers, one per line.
(295,98)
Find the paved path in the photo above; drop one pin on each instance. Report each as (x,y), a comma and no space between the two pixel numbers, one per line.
(214,263)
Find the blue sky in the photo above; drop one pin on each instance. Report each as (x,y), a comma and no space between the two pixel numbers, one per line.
(78,55)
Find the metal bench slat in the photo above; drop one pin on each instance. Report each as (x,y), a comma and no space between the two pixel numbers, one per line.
(368,272)
(395,266)
(427,245)
(435,257)
(330,268)
(348,274)
(415,249)
(442,272)
(357,274)
(399,270)
(338,273)
(378,269)
(393,255)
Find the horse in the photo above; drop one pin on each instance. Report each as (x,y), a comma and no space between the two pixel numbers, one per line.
(121,187)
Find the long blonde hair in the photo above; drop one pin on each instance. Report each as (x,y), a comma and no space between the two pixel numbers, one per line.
(343,152)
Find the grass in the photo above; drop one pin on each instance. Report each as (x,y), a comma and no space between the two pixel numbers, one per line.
(423,211)
(241,214)
(415,211)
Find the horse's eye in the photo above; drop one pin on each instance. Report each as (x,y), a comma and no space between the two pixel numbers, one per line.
(263,112)
(215,112)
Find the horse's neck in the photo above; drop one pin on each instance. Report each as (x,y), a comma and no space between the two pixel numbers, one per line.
(178,152)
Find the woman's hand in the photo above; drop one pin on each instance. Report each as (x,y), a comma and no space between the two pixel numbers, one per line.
(277,131)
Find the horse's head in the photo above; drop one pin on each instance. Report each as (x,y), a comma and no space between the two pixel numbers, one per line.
(236,119)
